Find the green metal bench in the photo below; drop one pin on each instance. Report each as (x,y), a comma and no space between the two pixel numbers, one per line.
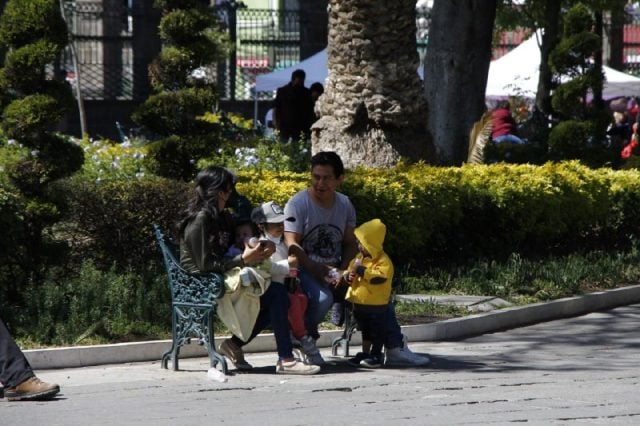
(194,299)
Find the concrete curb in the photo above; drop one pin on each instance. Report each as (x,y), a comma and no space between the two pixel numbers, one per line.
(453,329)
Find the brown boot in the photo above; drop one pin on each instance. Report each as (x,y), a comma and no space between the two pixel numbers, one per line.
(235,354)
(32,389)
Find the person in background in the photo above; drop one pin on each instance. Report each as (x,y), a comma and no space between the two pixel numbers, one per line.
(293,109)
(16,375)
(269,125)
(503,126)
(316,91)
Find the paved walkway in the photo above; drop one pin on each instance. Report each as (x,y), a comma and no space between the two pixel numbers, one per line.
(568,371)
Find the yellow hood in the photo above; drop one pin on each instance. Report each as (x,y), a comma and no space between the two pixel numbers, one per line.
(371,235)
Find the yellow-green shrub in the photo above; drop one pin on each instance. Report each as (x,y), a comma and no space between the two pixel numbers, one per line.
(493,210)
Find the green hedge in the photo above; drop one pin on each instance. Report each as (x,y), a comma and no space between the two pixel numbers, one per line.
(431,213)
(111,222)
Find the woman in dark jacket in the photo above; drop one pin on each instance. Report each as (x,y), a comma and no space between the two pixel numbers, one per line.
(206,232)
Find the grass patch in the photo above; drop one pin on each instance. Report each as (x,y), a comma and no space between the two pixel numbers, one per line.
(521,281)
(105,307)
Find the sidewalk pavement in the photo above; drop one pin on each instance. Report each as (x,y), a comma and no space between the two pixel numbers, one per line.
(564,372)
(485,322)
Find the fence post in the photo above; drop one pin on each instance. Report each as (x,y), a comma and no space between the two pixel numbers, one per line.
(146,45)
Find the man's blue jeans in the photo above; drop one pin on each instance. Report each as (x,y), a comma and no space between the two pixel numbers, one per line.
(320,300)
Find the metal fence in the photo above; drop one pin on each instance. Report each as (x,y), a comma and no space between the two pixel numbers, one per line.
(265,40)
(102,34)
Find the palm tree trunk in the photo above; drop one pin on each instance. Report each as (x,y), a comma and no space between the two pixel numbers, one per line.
(373,110)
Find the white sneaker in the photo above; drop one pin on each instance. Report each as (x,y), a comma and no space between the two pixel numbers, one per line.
(296,367)
(311,351)
(403,357)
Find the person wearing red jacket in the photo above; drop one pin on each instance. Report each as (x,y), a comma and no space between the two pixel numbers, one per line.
(503,126)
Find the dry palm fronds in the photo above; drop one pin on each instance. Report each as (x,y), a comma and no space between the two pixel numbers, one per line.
(479,136)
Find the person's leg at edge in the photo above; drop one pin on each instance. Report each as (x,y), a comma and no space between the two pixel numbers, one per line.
(17,376)
(320,299)
(14,367)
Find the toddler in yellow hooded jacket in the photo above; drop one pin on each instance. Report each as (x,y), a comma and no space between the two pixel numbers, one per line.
(369,276)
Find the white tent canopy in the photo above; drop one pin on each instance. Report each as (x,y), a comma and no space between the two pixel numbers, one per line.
(517,73)
(514,74)
(314,66)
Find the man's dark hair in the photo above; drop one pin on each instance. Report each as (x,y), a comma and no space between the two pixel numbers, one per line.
(298,74)
(328,158)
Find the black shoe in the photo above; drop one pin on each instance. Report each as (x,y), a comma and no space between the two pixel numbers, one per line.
(355,361)
(372,361)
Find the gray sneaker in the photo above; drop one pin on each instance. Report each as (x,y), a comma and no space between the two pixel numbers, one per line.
(311,351)
(296,367)
(403,357)
(235,354)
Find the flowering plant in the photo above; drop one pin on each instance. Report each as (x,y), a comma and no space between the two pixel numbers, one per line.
(105,159)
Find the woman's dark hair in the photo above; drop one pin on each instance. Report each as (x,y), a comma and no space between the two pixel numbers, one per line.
(328,158)
(209,183)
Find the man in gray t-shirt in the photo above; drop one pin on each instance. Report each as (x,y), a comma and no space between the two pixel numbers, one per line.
(319,232)
(322,229)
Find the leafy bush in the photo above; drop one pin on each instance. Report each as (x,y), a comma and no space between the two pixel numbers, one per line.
(184,27)
(21,63)
(111,221)
(176,113)
(261,155)
(107,160)
(26,21)
(111,304)
(474,229)
(30,116)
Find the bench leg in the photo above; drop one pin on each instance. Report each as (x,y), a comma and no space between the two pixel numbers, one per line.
(341,343)
(214,356)
(172,354)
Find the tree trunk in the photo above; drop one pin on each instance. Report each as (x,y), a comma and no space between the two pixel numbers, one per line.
(615,39)
(456,70)
(373,111)
(550,38)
